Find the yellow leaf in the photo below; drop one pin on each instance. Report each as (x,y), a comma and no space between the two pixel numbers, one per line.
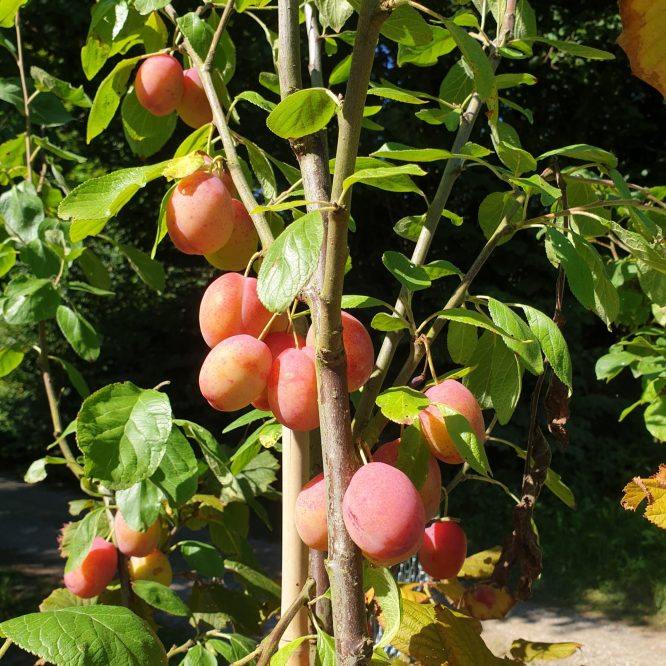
(452,589)
(486,602)
(410,591)
(527,651)
(481,565)
(651,490)
(643,40)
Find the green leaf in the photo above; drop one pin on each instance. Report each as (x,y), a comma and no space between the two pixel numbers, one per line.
(255,98)
(98,199)
(145,133)
(10,359)
(107,97)
(29,300)
(203,558)
(147,6)
(161,597)
(122,431)
(522,341)
(516,159)
(349,302)
(7,258)
(441,268)
(236,648)
(410,275)
(8,10)
(149,270)
(395,94)
(45,82)
(505,381)
(388,597)
(476,59)
(61,597)
(552,343)
(75,377)
(406,26)
(472,318)
(413,454)
(340,72)
(585,153)
(290,261)
(464,439)
(282,656)
(391,178)
(401,404)
(177,474)
(456,86)
(325,649)
(574,49)
(37,470)
(140,504)
(199,656)
(427,54)
(461,342)
(303,112)
(503,81)
(162,221)
(383,321)
(398,151)
(253,577)
(448,117)
(78,331)
(200,35)
(87,636)
(334,13)
(80,536)
(655,418)
(262,170)
(22,211)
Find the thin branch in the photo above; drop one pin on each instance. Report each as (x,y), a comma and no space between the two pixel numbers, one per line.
(314,45)
(432,220)
(237,175)
(269,645)
(224,19)
(45,369)
(24,90)
(5,646)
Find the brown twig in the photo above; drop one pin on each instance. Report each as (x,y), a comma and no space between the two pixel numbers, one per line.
(224,19)
(269,644)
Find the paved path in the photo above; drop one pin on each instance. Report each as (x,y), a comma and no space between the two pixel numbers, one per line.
(31,516)
(605,643)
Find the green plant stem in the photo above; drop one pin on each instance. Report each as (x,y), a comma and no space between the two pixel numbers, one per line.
(179,649)
(24,90)
(237,175)
(54,409)
(433,216)
(5,646)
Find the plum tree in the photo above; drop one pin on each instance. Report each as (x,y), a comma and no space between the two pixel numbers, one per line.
(194,109)
(133,543)
(310,514)
(155,566)
(444,549)
(358,348)
(292,389)
(159,84)
(431,488)
(277,343)
(452,393)
(96,571)
(235,372)
(235,254)
(230,306)
(199,215)
(383,513)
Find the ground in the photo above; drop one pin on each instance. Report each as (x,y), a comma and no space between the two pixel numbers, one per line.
(30,517)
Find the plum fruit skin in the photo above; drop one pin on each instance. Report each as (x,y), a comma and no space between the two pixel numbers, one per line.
(194,109)
(133,543)
(310,514)
(383,514)
(444,549)
(235,372)
(96,571)
(199,214)
(159,84)
(452,393)
(431,488)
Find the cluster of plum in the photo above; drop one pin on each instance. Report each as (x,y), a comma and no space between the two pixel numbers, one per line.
(384,513)
(162,87)
(98,569)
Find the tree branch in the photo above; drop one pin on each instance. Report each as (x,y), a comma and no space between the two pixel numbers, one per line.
(432,219)
(24,90)
(243,187)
